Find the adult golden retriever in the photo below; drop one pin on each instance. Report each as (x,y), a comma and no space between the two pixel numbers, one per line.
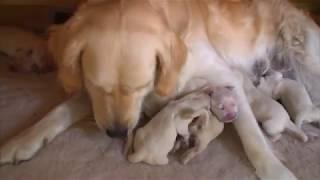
(133,56)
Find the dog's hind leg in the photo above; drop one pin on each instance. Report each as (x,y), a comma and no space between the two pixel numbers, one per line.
(26,144)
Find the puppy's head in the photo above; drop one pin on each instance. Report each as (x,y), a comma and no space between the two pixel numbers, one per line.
(224,103)
(32,58)
(122,63)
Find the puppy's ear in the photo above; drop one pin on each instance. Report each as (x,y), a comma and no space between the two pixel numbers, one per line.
(208,90)
(67,49)
(170,60)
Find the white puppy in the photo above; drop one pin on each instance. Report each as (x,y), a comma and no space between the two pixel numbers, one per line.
(224,105)
(153,142)
(293,96)
(270,113)
(203,130)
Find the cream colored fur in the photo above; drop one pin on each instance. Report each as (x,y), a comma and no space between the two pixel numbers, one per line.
(206,129)
(294,98)
(153,142)
(129,55)
(270,113)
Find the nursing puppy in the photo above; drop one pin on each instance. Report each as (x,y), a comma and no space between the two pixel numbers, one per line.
(293,96)
(223,102)
(202,131)
(174,120)
(270,113)
(126,53)
(26,51)
(153,142)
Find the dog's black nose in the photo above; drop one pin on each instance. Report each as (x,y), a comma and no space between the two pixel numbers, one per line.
(117,132)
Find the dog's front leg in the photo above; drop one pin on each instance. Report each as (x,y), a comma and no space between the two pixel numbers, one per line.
(267,166)
(27,143)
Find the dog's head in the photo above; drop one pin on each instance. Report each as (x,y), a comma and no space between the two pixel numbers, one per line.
(122,63)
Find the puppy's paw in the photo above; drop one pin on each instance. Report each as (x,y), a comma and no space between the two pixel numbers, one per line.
(188,156)
(312,136)
(275,138)
(134,157)
(21,148)
(163,161)
(185,158)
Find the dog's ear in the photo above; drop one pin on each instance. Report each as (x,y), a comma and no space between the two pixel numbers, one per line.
(170,60)
(67,51)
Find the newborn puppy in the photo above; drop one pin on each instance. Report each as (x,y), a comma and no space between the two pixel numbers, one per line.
(26,51)
(224,103)
(154,141)
(270,113)
(293,96)
(203,130)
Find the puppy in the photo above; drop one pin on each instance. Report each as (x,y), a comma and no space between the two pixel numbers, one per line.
(154,141)
(26,51)
(223,99)
(223,103)
(293,96)
(270,113)
(205,128)
(174,120)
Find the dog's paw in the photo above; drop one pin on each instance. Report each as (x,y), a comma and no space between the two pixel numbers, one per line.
(276,172)
(21,148)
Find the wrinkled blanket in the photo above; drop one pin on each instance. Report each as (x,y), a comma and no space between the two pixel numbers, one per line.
(83,152)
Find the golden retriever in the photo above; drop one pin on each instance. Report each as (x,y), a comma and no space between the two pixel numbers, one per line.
(134,56)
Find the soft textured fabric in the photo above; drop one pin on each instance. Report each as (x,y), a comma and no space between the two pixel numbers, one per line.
(83,152)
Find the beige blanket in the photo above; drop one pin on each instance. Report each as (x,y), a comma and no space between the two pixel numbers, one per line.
(83,152)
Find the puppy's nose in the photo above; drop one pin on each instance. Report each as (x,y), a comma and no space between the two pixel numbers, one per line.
(117,132)
(230,116)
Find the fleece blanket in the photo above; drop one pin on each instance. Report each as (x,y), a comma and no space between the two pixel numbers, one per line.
(83,152)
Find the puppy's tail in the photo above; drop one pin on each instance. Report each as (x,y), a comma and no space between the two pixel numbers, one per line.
(296,131)
(310,115)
